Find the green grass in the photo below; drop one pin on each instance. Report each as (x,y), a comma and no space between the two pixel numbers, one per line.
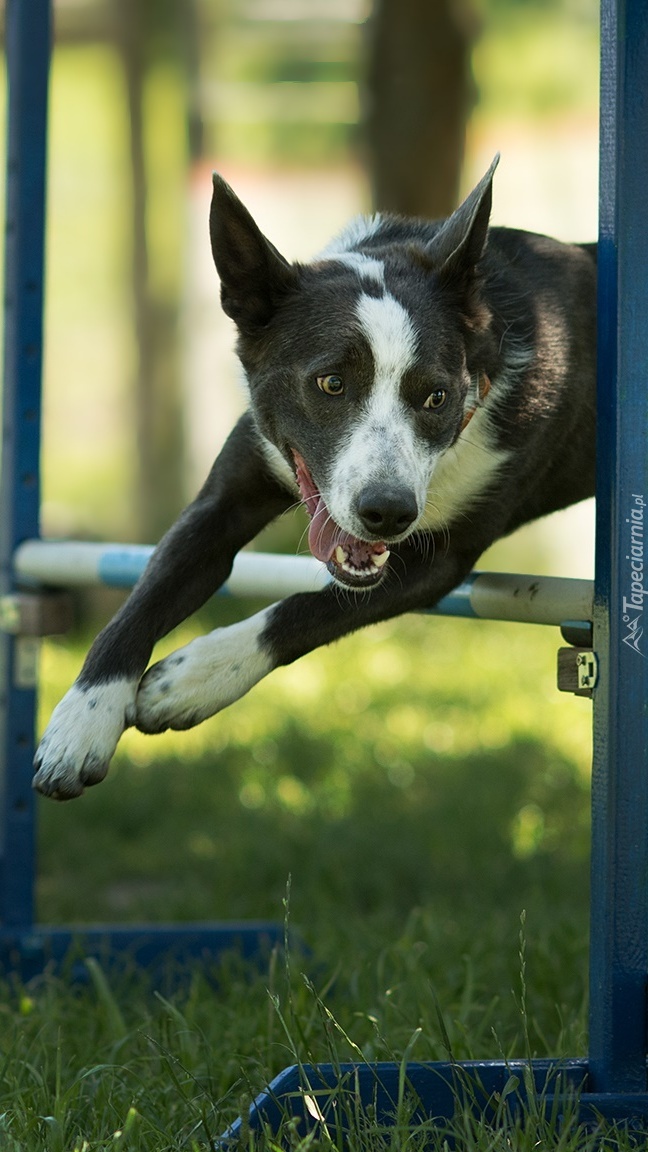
(419,790)
(377,744)
(114,1065)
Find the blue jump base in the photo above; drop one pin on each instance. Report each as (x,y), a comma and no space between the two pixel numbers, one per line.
(165,951)
(611,1083)
(331,1099)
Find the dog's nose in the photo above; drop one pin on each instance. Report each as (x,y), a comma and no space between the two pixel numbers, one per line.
(387,511)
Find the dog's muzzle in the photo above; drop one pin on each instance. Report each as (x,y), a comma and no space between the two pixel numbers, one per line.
(352,562)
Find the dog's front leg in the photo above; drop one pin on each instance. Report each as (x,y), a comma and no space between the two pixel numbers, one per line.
(206,675)
(214,670)
(195,557)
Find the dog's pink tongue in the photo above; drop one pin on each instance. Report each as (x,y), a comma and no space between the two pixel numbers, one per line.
(324,535)
(323,532)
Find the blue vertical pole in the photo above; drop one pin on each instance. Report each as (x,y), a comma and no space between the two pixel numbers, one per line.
(28,25)
(619,919)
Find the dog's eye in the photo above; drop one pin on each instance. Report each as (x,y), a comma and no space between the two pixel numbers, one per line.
(436,399)
(331,384)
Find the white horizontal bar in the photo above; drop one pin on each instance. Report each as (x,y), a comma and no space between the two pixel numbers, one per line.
(530,599)
(486,595)
(73,564)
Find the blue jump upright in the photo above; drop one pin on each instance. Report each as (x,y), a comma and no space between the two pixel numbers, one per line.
(24,945)
(619,924)
(27,50)
(611,1080)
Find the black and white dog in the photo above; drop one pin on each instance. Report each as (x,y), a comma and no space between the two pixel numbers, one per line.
(424,388)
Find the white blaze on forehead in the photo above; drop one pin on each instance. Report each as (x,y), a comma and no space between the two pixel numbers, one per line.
(381,445)
(342,248)
(365,266)
(356,232)
(390,333)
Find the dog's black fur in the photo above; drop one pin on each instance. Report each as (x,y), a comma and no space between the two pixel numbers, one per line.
(511,308)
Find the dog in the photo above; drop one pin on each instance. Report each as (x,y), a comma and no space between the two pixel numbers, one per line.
(423,387)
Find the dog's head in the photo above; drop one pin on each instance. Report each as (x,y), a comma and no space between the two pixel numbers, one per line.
(363,366)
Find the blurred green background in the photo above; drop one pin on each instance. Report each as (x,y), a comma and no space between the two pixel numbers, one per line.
(424,763)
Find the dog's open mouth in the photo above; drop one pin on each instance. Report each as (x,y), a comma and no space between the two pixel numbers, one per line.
(351,561)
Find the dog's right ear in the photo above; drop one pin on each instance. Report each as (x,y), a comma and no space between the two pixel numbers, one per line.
(254,275)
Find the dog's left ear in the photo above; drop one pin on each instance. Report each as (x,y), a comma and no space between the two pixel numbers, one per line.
(459,244)
(254,275)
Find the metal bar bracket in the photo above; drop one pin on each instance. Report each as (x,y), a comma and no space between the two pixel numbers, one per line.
(577,670)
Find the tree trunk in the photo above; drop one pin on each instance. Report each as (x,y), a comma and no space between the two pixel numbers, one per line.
(419,93)
(156,392)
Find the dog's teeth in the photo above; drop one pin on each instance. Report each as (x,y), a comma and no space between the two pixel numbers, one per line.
(379,559)
(340,555)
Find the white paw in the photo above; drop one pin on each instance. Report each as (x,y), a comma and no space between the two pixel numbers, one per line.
(202,678)
(81,737)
